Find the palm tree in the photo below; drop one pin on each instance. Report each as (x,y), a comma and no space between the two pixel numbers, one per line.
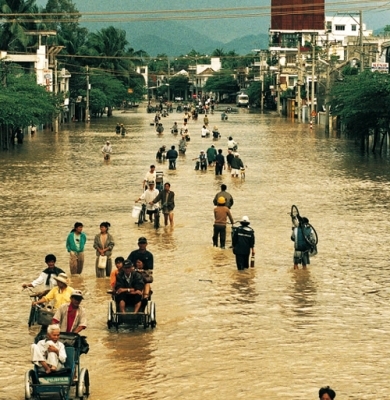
(109,47)
(69,33)
(13,30)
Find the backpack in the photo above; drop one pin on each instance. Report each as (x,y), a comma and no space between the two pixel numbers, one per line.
(303,239)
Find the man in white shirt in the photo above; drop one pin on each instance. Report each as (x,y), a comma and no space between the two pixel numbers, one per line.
(205,132)
(107,150)
(148,196)
(149,177)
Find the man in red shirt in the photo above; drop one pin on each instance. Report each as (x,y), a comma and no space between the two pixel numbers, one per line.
(71,317)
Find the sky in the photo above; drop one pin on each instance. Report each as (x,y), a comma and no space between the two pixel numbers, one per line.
(376,14)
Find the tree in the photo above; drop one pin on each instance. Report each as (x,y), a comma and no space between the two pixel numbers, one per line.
(254,93)
(178,85)
(109,45)
(13,30)
(23,102)
(66,24)
(222,82)
(97,101)
(361,102)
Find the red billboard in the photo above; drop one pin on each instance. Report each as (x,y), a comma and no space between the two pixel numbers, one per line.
(297,15)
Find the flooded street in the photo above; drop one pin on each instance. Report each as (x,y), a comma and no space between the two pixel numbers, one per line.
(267,333)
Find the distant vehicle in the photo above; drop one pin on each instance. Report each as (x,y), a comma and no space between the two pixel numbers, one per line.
(178,98)
(242,100)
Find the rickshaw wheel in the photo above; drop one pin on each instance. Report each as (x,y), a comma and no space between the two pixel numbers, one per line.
(153,321)
(29,381)
(82,389)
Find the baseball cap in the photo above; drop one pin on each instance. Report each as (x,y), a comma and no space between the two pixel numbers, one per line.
(77,293)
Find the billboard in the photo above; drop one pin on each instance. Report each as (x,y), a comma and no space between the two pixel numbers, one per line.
(380,67)
(297,15)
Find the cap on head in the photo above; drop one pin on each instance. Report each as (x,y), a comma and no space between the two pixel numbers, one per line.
(77,293)
(202,151)
(150,183)
(142,240)
(127,264)
(221,200)
(108,141)
(62,277)
(236,155)
(245,220)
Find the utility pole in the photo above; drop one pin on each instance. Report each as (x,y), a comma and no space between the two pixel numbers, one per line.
(261,83)
(361,41)
(55,93)
(313,55)
(169,73)
(299,80)
(327,88)
(87,99)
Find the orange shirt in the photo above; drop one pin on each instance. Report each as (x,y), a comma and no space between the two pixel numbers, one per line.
(113,275)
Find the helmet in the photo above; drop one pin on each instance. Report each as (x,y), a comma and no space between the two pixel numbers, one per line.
(221,200)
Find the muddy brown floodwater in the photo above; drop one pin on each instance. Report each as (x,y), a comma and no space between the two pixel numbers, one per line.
(267,333)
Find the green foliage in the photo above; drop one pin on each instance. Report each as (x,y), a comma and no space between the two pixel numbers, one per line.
(24,102)
(254,93)
(362,101)
(12,30)
(97,101)
(114,90)
(221,82)
(178,84)
(109,46)
(348,70)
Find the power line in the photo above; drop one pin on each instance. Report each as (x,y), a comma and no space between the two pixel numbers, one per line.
(188,14)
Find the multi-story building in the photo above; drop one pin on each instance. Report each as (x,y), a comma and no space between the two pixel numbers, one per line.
(303,43)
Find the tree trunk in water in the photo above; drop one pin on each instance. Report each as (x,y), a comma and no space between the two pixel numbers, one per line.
(376,139)
(382,141)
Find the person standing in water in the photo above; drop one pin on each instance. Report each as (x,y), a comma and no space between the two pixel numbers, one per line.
(75,243)
(107,150)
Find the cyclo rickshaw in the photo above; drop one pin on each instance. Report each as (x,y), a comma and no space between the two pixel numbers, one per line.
(39,385)
(70,382)
(146,316)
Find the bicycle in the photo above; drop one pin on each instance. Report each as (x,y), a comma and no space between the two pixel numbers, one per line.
(296,221)
(142,215)
(156,218)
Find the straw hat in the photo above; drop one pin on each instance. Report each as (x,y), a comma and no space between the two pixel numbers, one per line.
(62,277)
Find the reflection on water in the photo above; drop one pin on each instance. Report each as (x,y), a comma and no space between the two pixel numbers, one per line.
(269,332)
(303,296)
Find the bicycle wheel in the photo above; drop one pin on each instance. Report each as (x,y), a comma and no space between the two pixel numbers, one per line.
(294,211)
(314,233)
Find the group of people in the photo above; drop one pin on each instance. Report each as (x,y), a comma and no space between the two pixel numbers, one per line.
(156,199)
(120,129)
(130,282)
(103,244)
(243,236)
(49,354)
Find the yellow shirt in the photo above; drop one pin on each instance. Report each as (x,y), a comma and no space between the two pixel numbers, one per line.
(59,298)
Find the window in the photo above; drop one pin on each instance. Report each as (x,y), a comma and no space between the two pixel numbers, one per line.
(329,26)
(353,28)
(340,27)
